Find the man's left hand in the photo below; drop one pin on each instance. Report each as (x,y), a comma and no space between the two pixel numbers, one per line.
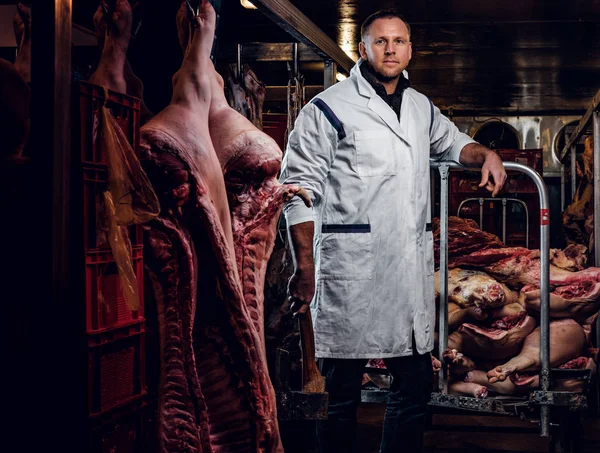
(493,174)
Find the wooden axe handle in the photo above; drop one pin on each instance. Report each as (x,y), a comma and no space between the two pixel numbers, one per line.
(312,381)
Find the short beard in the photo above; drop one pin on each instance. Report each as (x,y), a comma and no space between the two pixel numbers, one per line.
(378,75)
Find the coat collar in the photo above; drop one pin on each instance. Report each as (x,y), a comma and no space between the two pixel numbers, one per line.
(379,106)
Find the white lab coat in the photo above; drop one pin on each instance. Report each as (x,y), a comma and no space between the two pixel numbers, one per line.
(373,289)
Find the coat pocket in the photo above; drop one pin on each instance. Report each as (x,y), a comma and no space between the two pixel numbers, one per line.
(346,256)
(375,153)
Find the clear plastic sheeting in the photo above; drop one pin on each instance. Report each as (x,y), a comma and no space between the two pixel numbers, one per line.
(130,199)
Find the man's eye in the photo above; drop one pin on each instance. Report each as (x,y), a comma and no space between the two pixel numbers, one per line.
(379,41)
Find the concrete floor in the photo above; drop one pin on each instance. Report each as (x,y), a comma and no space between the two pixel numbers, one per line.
(467,433)
(462,433)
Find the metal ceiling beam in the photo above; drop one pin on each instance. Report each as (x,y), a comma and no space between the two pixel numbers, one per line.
(583,124)
(258,51)
(294,22)
(277,93)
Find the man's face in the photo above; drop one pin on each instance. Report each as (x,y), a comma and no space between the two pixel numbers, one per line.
(387,47)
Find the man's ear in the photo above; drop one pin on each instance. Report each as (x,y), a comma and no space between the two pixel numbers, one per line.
(362,50)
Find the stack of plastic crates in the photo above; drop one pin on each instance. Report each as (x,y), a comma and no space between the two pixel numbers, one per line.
(115,335)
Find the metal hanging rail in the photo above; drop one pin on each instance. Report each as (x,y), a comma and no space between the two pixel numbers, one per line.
(503,200)
(587,117)
(294,22)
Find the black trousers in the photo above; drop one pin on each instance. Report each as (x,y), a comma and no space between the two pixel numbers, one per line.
(406,410)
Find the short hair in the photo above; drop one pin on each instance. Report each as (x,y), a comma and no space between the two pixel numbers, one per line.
(381,14)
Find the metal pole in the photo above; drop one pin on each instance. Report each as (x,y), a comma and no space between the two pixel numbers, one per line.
(562,187)
(296,60)
(330,73)
(526,224)
(239,63)
(481,213)
(504,220)
(596,120)
(544,268)
(443,321)
(596,187)
(573,172)
(55,329)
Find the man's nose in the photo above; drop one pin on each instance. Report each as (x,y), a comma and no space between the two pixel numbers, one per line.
(389,49)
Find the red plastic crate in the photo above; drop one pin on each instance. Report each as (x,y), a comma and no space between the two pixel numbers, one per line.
(517,183)
(106,307)
(95,222)
(116,368)
(125,109)
(120,431)
(123,436)
(530,157)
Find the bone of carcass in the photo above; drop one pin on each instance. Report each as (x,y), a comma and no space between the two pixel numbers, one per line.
(577,301)
(214,391)
(464,237)
(475,288)
(567,340)
(502,339)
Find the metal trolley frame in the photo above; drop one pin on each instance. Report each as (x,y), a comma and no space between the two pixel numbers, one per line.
(504,201)
(543,404)
(543,399)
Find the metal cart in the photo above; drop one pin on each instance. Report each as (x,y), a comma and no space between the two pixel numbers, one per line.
(563,408)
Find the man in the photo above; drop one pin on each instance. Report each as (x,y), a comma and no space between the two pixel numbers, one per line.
(362,150)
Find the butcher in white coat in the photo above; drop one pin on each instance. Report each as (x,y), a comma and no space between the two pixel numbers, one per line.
(363,254)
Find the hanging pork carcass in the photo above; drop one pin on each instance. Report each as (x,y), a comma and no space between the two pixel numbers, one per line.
(578,217)
(215,175)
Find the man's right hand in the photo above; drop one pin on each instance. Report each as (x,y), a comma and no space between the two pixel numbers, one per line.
(301,289)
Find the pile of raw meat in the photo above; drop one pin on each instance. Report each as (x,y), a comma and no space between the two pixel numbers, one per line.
(494,311)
